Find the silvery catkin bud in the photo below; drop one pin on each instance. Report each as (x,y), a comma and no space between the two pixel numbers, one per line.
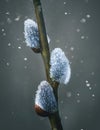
(31,34)
(45,102)
(60,70)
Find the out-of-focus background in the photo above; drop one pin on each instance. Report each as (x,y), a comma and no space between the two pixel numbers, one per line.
(72,25)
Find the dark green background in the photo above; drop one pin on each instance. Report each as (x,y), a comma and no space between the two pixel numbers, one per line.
(79,104)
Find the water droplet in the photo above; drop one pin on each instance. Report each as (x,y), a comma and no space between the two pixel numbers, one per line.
(81,61)
(8,13)
(69,94)
(88,16)
(66,117)
(25,67)
(3,29)
(25,59)
(88,84)
(9,44)
(19,47)
(17,18)
(83,20)
(9,20)
(82,37)
(78,101)
(77,30)
(72,57)
(64,2)
(90,88)
(18,39)
(8,64)
(82,129)
(72,48)
(4,34)
(78,94)
(86,81)
(66,13)
(93,95)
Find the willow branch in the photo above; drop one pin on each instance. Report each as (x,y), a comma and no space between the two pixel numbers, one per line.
(43,37)
(54,118)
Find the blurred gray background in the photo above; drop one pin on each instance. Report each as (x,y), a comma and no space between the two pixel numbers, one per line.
(72,25)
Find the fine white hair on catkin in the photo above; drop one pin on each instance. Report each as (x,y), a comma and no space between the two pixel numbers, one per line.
(45,98)
(60,70)
(31,34)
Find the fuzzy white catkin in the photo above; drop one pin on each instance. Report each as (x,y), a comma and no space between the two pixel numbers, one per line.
(45,98)
(31,34)
(60,70)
